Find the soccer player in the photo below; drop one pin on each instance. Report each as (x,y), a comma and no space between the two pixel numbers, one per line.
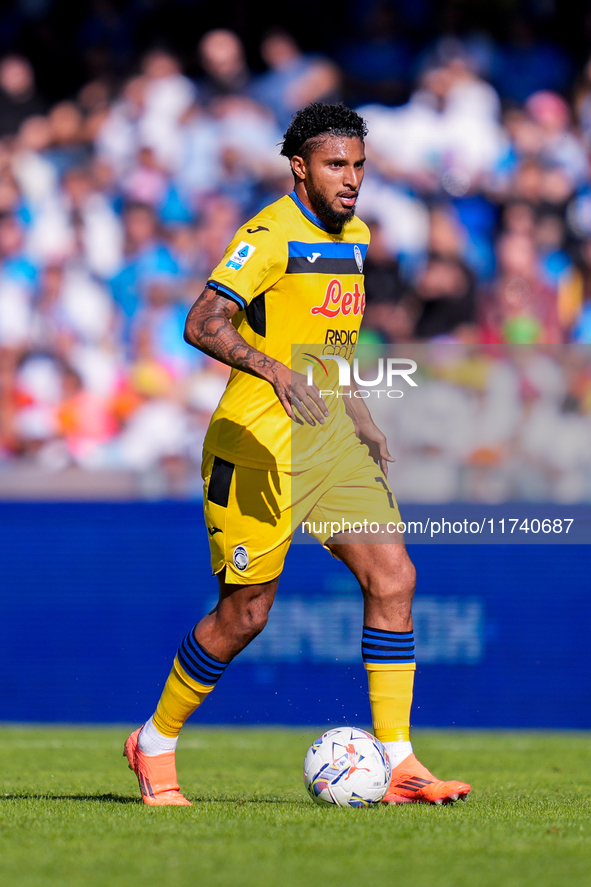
(276,453)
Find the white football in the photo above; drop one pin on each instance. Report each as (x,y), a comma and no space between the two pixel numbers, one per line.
(347,767)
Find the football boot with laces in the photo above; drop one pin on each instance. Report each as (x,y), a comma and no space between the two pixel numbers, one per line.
(411,782)
(156,775)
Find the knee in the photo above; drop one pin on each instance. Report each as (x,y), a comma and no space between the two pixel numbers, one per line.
(392,586)
(255,616)
(250,619)
(408,578)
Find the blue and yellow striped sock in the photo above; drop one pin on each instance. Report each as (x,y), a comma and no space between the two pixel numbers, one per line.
(389,659)
(194,675)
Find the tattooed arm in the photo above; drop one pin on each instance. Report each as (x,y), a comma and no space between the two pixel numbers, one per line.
(209,328)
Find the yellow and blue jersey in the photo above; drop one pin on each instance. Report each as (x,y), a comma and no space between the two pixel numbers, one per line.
(297,283)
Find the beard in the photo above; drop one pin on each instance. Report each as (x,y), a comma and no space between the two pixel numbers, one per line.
(332,217)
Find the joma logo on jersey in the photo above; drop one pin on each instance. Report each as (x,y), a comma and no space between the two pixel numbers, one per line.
(338,302)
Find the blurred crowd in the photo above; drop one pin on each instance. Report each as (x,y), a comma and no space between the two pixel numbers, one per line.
(490,423)
(115,204)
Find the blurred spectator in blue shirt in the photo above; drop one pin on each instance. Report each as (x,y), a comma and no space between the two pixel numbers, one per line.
(69,145)
(18,279)
(146,255)
(294,79)
(15,264)
(157,328)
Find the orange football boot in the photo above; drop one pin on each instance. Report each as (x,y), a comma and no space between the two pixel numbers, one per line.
(156,775)
(413,783)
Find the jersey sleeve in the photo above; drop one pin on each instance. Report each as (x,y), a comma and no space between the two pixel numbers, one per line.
(253,262)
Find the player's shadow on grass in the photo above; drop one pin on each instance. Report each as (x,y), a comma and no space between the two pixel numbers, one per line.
(239,802)
(122,799)
(116,799)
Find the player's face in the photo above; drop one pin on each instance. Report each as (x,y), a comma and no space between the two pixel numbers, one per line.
(332,177)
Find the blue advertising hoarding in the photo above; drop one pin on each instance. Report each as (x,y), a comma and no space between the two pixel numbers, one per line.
(94,599)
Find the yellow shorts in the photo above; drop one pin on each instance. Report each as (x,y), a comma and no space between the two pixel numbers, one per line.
(252,514)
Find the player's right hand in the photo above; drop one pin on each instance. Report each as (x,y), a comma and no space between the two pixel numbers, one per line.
(301,402)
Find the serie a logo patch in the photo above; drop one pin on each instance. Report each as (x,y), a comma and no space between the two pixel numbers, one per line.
(240,256)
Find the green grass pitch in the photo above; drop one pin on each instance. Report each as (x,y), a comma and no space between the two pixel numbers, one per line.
(70,814)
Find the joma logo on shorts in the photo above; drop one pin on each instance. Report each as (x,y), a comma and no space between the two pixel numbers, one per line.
(338,302)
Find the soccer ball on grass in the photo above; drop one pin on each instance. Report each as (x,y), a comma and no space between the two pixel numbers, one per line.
(347,767)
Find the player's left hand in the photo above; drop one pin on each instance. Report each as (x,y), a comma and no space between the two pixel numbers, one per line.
(301,402)
(375,440)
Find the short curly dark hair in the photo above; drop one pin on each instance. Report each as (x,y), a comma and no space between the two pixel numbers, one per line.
(318,119)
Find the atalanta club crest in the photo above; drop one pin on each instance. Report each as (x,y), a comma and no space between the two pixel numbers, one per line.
(358,258)
(240,558)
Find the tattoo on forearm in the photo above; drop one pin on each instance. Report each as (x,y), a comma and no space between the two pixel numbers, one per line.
(210,329)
